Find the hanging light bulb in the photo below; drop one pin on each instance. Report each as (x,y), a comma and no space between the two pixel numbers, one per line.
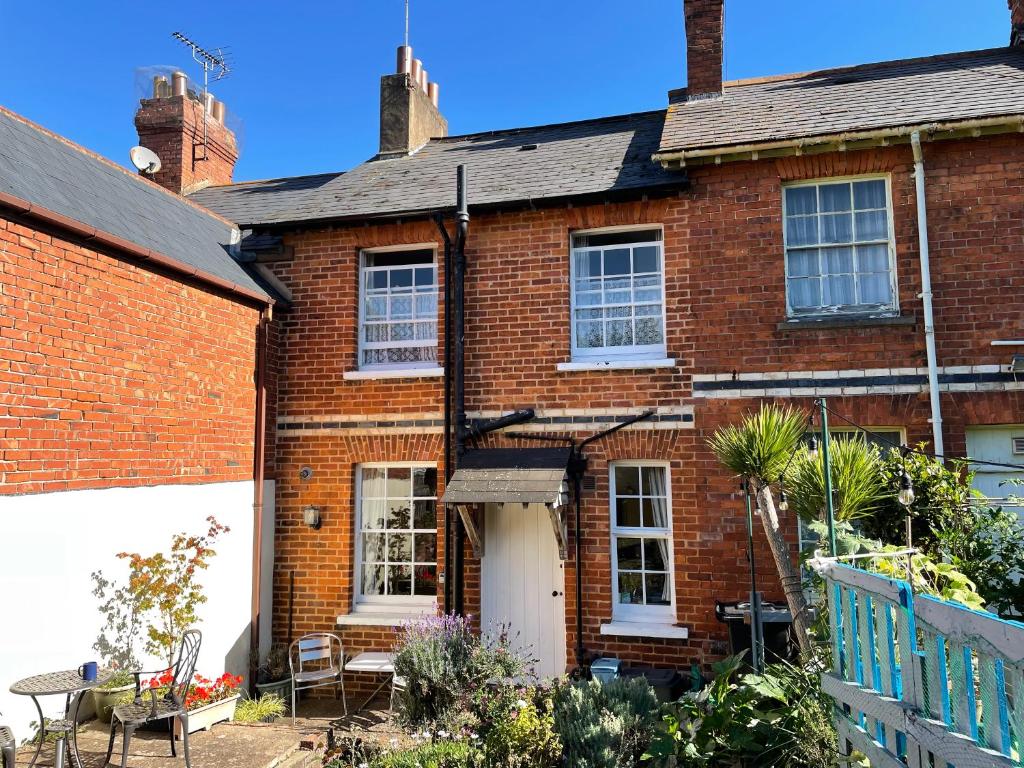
(812,447)
(783,501)
(906,494)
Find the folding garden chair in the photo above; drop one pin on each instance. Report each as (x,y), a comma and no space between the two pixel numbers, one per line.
(317,660)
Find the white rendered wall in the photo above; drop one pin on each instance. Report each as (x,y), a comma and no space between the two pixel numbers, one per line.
(50,543)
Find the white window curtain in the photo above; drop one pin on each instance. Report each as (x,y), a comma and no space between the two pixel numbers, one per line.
(658,490)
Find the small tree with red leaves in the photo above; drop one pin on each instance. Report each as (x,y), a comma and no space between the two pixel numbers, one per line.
(166,587)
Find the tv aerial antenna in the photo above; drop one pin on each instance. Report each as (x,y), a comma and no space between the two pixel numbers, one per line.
(216,66)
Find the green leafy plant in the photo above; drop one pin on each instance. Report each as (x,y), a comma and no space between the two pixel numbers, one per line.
(857,480)
(939,493)
(519,728)
(165,589)
(779,719)
(930,578)
(439,754)
(986,544)
(443,660)
(605,725)
(265,709)
(758,450)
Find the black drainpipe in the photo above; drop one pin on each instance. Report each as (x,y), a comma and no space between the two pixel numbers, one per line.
(448,467)
(459,301)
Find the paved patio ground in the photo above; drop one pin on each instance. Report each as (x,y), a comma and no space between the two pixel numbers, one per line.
(234,745)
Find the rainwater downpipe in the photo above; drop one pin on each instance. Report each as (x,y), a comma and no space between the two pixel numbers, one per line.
(926,294)
(258,471)
(448,468)
(461,429)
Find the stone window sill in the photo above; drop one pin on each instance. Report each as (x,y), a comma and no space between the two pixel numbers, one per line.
(380,618)
(638,629)
(613,365)
(811,324)
(393,373)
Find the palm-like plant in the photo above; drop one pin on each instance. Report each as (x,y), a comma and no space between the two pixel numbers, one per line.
(758,450)
(857,480)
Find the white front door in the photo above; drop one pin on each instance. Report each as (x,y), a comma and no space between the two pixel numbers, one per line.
(523,584)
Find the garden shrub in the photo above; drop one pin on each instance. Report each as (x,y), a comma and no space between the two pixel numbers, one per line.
(439,754)
(518,728)
(605,726)
(444,661)
(779,719)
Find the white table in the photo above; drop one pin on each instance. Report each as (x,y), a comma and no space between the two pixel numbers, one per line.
(376,663)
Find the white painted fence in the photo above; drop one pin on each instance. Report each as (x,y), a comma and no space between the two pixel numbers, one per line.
(919,681)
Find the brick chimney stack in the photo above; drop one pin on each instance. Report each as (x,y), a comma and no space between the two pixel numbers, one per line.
(1016,21)
(409,116)
(704,42)
(171,124)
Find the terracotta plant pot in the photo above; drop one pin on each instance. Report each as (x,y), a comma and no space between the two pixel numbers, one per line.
(203,718)
(105,699)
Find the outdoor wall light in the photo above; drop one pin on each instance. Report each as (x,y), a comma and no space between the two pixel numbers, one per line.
(311,517)
(906,494)
(1017,363)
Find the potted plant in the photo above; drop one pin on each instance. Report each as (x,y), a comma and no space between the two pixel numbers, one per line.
(158,601)
(118,690)
(207,701)
(272,676)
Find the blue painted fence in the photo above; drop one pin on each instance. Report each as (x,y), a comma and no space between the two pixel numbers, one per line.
(920,681)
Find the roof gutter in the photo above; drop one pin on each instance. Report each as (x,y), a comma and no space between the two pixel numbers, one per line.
(847,140)
(90,234)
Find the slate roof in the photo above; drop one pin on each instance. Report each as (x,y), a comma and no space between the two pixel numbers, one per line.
(504,475)
(607,156)
(945,88)
(49,171)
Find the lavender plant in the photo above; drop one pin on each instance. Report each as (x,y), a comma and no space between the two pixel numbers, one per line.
(443,661)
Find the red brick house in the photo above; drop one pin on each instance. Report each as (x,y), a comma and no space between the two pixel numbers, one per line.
(852,233)
(760,239)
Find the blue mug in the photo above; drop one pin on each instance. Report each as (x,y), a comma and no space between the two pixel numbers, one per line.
(88,671)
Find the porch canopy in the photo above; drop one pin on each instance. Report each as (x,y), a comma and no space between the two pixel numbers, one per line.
(508,476)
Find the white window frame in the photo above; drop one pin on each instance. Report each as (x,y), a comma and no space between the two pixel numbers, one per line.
(385,603)
(634,352)
(362,345)
(650,614)
(871,310)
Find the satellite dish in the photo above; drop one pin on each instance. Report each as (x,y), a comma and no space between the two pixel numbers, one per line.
(144,159)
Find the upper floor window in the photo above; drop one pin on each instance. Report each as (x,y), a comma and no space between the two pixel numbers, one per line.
(398,309)
(396,527)
(839,248)
(618,307)
(641,542)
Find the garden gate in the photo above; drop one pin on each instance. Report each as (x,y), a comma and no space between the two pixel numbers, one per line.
(919,681)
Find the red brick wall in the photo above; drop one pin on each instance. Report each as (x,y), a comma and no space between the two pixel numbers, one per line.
(112,375)
(725,297)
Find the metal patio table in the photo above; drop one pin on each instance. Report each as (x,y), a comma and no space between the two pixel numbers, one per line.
(65,683)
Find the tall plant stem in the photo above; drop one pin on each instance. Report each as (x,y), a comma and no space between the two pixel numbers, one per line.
(788,574)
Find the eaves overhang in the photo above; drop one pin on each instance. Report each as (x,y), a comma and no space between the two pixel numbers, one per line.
(679,158)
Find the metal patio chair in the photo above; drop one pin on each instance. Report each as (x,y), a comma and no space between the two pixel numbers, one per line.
(165,707)
(8,747)
(318,660)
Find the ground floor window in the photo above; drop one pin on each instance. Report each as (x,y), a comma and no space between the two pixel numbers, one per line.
(396,525)
(641,546)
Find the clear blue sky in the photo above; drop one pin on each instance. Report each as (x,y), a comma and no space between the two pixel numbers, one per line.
(307,72)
